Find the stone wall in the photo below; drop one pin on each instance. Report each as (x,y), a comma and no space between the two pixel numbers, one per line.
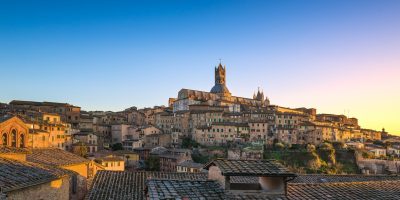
(57,189)
(376,166)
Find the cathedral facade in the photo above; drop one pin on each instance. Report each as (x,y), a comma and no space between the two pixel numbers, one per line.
(218,96)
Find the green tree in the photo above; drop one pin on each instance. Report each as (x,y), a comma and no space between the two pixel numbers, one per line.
(152,163)
(188,143)
(117,146)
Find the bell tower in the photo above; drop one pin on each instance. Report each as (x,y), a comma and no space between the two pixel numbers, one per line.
(220,74)
(220,82)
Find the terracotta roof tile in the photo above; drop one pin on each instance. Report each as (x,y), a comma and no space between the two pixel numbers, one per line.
(250,168)
(348,190)
(185,189)
(130,185)
(55,157)
(16,174)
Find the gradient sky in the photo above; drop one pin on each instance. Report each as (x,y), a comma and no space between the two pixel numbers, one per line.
(339,56)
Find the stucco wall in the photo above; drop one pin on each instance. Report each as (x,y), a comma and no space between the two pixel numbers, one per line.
(81,169)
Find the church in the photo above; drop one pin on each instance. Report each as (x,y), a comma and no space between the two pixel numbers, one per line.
(219,95)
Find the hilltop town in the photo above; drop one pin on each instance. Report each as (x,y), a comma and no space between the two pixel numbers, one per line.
(202,144)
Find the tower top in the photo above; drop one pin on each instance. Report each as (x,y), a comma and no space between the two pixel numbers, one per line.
(220,81)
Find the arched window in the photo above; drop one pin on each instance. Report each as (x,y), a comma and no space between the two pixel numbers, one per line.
(14,138)
(4,139)
(22,141)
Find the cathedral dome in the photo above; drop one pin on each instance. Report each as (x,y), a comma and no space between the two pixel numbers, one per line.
(220,89)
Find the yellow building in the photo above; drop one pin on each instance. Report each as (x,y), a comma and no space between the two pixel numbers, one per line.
(112,163)
(47,130)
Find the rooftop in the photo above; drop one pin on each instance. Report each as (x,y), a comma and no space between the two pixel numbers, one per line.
(250,168)
(15,174)
(5,118)
(191,164)
(347,190)
(130,185)
(55,157)
(110,159)
(185,189)
(324,178)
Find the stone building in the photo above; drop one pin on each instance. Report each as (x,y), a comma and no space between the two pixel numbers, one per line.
(68,112)
(158,139)
(171,158)
(14,132)
(42,174)
(48,128)
(21,180)
(58,158)
(219,133)
(218,96)
(112,163)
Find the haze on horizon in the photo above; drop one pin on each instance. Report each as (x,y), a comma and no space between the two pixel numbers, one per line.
(341,57)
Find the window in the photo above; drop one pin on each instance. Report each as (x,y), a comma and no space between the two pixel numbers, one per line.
(4,139)
(14,138)
(22,141)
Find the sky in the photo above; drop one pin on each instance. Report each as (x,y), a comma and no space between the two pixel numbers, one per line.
(338,56)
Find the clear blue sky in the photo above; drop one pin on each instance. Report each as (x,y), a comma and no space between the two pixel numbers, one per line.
(109,55)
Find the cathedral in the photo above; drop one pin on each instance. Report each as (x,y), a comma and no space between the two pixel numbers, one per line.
(219,95)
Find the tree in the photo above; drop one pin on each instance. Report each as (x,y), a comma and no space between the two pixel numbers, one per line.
(153,163)
(117,146)
(310,148)
(328,152)
(279,146)
(188,143)
(80,149)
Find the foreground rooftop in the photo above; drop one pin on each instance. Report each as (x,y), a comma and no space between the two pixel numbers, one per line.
(16,174)
(250,168)
(132,186)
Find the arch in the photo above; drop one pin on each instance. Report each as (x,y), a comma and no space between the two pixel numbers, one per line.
(14,138)
(4,139)
(22,140)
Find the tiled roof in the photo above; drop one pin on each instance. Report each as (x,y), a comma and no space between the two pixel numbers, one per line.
(5,118)
(17,174)
(255,196)
(184,189)
(250,168)
(321,178)
(110,159)
(347,191)
(56,157)
(244,179)
(8,150)
(191,164)
(130,185)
